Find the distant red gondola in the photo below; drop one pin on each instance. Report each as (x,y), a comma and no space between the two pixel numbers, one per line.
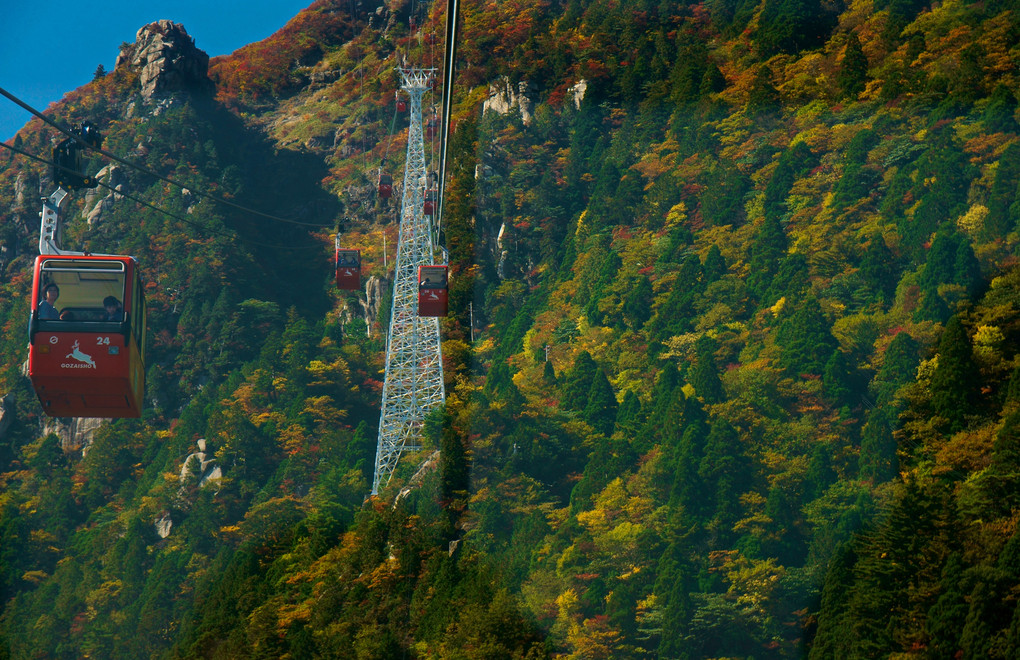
(401,103)
(430,201)
(433,290)
(86,353)
(348,269)
(385,185)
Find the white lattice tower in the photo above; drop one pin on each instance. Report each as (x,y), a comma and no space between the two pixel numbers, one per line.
(414,362)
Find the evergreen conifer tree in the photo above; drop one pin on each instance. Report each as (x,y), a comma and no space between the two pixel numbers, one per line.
(1000,113)
(600,410)
(947,616)
(705,374)
(834,636)
(1013,387)
(986,615)
(578,382)
(629,414)
(676,315)
(898,368)
(724,471)
(877,461)
(673,584)
(766,253)
(548,373)
(714,265)
(878,268)
(666,391)
(854,73)
(839,379)
(1003,194)
(933,306)
(805,340)
(820,474)
(637,305)
(1002,477)
(955,380)
(764,96)
(966,269)
(791,279)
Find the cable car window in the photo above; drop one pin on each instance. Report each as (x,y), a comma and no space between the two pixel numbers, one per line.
(84,286)
(432,277)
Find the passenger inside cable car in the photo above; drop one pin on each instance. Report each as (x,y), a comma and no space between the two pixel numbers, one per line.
(88,358)
(47,306)
(114,310)
(433,290)
(348,269)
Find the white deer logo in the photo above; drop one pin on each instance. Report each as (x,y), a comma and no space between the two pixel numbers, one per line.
(79,356)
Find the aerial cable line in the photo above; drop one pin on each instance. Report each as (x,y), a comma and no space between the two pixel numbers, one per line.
(142,168)
(452,13)
(171,214)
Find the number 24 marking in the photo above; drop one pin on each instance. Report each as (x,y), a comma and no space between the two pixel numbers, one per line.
(101,341)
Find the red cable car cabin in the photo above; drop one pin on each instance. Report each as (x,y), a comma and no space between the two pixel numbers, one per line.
(348,269)
(385,185)
(86,355)
(432,290)
(430,201)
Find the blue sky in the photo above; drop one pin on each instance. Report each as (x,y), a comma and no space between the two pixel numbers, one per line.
(50,47)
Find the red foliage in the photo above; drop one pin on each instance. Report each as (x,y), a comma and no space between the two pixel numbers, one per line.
(265,68)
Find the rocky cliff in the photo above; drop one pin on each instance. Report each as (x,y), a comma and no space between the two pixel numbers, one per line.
(167,61)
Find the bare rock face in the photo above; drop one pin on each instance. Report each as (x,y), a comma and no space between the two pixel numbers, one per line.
(167,60)
(578,91)
(95,205)
(375,289)
(504,97)
(75,433)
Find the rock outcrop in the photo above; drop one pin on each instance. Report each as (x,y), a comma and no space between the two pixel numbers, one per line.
(203,467)
(577,92)
(505,96)
(375,289)
(75,433)
(167,61)
(96,204)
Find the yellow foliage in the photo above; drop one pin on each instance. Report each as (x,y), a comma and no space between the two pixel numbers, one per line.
(293,439)
(323,409)
(580,223)
(333,374)
(35,577)
(40,536)
(754,581)
(681,346)
(973,221)
(566,604)
(676,215)
(987,347)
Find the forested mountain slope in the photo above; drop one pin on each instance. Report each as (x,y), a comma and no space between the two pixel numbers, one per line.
(743,378)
